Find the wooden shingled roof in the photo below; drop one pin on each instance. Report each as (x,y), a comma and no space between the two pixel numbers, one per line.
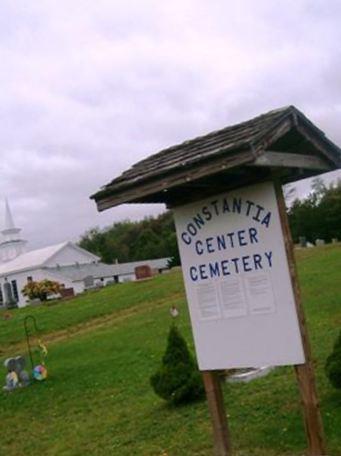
(283,140)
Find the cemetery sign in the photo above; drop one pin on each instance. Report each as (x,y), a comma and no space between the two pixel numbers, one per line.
(237,280)
(236,248)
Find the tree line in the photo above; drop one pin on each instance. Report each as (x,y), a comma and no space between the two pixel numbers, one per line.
(150,238)
(318,216)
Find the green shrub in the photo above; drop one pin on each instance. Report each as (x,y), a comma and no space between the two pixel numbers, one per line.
(41,289)
(178,380)
(333,364)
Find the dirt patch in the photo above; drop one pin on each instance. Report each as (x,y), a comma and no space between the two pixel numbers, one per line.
(112,319)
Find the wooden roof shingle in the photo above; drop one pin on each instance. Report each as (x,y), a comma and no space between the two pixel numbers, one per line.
(150,179)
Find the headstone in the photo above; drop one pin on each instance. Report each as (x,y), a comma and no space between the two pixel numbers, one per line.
(10,302)
(335,240)
(143,272)
(89,281)
(67,293)
(319,242)
(303,241)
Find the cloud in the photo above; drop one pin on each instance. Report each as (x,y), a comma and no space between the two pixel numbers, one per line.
(89,88)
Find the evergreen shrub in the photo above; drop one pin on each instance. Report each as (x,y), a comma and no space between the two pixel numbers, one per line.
(333,364)
(178,379)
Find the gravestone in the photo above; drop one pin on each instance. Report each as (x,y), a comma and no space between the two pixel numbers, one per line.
(10,301)
(88,281)
(143,272)
(67,293)
(303,241)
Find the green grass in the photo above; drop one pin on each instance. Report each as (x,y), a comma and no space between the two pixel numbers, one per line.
(68,315)
(103,348)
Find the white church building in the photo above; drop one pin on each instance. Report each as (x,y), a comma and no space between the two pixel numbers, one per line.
(66,263)
(17,266)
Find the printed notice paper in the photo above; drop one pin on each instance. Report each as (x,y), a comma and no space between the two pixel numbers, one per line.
(237,280)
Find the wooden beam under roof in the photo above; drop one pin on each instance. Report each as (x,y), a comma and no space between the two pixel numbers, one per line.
(290,160)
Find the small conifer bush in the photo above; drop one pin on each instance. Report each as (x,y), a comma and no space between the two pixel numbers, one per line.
(333,364)
(178,379)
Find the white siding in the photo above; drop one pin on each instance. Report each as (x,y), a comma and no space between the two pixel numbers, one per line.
(36,274)
(127,277)
(69,255)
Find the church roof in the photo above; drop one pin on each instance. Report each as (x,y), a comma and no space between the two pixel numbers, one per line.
(35,258)
(79,272)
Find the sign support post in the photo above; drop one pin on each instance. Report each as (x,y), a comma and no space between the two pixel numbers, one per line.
(222,443)
(304,372)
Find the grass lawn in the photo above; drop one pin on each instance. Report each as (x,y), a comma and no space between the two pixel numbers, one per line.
(103,347)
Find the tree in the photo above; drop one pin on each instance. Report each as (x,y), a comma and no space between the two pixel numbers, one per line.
(178,380)
(333,364)
(41,289)
(152,237)
(319,214)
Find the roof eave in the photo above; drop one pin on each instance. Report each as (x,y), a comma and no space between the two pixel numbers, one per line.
(144,189)
(160,187)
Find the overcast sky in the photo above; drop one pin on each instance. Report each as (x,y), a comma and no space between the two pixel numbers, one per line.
(90,87)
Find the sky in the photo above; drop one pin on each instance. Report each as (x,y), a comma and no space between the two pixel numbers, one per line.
(89,88)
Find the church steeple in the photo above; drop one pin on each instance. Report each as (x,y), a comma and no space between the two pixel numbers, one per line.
(11,244)
(9,223)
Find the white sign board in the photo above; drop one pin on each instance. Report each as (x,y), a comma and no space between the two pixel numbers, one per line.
(237,280)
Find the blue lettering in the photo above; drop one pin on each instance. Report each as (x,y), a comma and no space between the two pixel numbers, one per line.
(202,271)
(235,262)
(198,220)
(221,242)
(241,237)
(266,220)
(253,235)
(193,273)
(198,247)
(269,257)
(187,239)
(226,207)
(237,205)
(230,235)
(207,213)
(249,204)
(225,268)
(210,248)
(192,229)
(245,260)
(257,259)
(259,210)
(214,269)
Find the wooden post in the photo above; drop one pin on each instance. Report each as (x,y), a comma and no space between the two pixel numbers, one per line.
(304,372)
(222,444)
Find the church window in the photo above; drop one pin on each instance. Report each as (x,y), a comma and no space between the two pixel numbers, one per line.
(15,290)
(1,296)
(29,279)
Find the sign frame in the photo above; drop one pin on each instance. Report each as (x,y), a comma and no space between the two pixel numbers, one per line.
(237,280)
(304,372)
